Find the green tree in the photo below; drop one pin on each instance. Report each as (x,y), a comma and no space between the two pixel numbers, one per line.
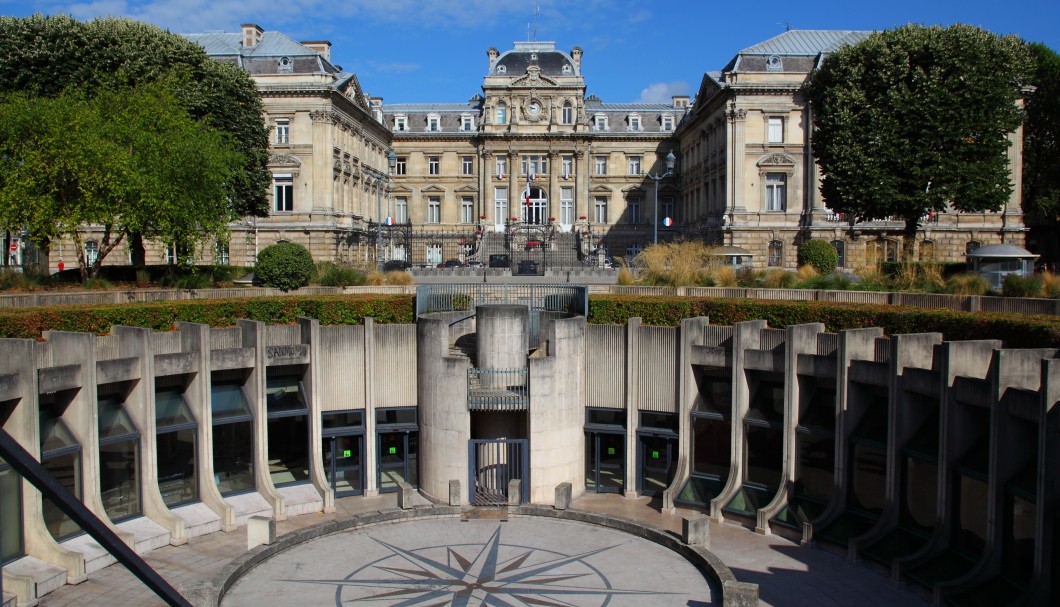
(1041,144)
(45,55)
(916,120)
(285,265)
(820,254)
(127,159)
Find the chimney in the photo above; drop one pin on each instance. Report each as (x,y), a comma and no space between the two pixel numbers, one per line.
(576,55)
(252,34)
(680,101)
(320,47)
(492,54)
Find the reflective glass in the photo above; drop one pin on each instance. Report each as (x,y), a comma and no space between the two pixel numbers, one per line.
(764,454)
(289,450)
(284,394)
(815,473)
(66,469)
(119,481)
(176,467)
(344,419)
(10,514)
(227,401)
(233,457)
(171,409)
(114,422)
(711,441)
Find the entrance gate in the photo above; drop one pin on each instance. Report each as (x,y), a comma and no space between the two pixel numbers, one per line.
(492,464)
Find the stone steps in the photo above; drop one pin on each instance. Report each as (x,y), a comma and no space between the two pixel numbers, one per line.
(32,577)
(147,534)
(301,499)
(198,519)
(247,505)
(95,556)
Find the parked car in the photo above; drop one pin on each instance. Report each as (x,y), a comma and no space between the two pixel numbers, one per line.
(451,263)
(396,265)
(474,263)
(500,260)
(527,267)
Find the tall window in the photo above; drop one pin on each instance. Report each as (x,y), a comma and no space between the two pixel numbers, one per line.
(502,113)
(401,166)
(401,209)
(434,209)
(841,250)
(633,209)
(175,447)
(434,123)
(283,192)
(568,113)
(467,165)
(776,192)
(634,165)
(221,255)
(467,210)
(567,166)
(534,164)
(434,165)
(666,208)
(119,453)
(233,438)
(601,165)
(500,205)
(171,254)
(776,253)
(60,455)
(288,430)
(600,209)
(502,166)
(91,251)
(776,130)
(283,131)
(566,206)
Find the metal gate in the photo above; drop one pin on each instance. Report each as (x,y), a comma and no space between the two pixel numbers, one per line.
(492,464)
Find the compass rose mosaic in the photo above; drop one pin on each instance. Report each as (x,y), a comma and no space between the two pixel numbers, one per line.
(443,562)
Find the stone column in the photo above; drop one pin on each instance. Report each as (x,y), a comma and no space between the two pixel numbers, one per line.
(254,338)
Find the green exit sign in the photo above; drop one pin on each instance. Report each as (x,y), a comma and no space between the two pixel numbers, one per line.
(346,453)
(393,451)
(610,450)
(655,455)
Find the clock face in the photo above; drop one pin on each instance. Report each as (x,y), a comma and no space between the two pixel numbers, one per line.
(535,107)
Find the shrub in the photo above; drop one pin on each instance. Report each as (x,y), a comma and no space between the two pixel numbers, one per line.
(806,273)
(97,284)
(625,276)
(775,278)
(333,275)
(396,277)
(21,281)
(676,264)
(724,277)
(1050,285)
(1022,286)
(193,280)
(285,266)
(820,254)
(967,284)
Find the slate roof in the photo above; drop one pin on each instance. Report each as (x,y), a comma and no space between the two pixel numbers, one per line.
(550,60)
(272,44)
(806,42)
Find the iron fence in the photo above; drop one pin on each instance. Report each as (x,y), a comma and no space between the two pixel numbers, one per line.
(498,389)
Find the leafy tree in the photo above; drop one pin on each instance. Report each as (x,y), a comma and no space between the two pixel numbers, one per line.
(129,160)
(916,119)
(45,55)
(284,265)
(1041,140)
(820,254)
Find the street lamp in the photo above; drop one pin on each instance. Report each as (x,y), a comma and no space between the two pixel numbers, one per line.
(670,159)
(379,181)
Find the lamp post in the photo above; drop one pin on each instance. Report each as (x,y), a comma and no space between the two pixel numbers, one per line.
(670,159)
(380,177)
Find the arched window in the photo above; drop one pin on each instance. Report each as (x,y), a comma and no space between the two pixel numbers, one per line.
(502,113)
(568,113)
(881,250)
(776,253)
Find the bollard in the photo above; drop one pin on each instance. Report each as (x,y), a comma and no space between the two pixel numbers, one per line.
(563,496)
(260,530)
(405,495)
(515,492)
(739,594)
(695,531)
(455,497)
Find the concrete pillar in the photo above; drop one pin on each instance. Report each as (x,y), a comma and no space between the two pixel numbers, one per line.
(371,450)
(310,335)
(445,422)
(456,497)
(632,419)
(254,338)
(503,336)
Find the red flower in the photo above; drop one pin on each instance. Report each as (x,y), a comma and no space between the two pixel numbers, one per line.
(583,217)
(481,216)
(552,219)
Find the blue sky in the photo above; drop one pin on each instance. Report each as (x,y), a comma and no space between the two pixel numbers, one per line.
(435,50)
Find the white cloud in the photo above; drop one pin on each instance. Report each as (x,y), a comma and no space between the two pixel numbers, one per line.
(661,92)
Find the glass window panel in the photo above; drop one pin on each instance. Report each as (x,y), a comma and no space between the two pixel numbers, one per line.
(1019,538)
(815,473)
(714,393)
(926,440)
(873,424)
(119,481)
(10,514)
(607,417)
(113,420)
(289,450)
(171,409)
(767,396)
(764,452)
(818,404)
(66,469)
(711,442)
(413,459)
(867,478)
(176,467)
(969,521)
(284,394)
(403,415)
(227,401)
(663,421)
(53,432)
(921,494)
(344,419)
(233,457)
(700,490)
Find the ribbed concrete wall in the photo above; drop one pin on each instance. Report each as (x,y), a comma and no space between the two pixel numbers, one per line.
(341,367)
(605,366)
(106,347)
(395,358)
(655,369)
(283,335)
(445,422)
(165,343)
(503,336)
(223,339)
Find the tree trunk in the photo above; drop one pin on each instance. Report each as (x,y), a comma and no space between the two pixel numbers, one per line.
(909,240)
(137,250)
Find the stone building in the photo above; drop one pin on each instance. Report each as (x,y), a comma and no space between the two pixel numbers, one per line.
(933,461)
(749,180)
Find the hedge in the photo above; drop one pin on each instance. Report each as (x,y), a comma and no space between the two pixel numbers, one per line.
(1015,331)
(329,309)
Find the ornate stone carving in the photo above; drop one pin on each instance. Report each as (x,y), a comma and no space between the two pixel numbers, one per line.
(533,77)
(284,160)
(734,114)
(776,159)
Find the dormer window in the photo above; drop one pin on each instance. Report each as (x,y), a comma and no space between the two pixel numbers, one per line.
(566,69)
(501,69)
(634,122)
(401,123)
(434,123)
(774,64)
(600,122)
(285,64)
(667,122)
(467,123)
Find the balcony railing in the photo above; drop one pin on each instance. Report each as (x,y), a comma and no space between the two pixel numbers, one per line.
(498,389)
(845,218)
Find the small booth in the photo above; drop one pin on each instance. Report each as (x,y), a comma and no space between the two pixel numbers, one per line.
(734,257)
(995,262)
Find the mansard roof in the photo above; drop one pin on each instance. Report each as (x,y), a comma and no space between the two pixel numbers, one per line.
(263,57)
(807,43)
(543,54)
